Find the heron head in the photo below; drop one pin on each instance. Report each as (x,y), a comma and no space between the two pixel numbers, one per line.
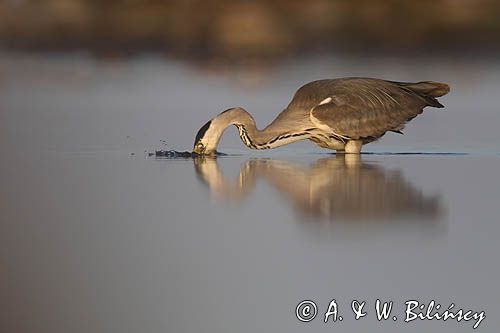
(203,141)
(208,137)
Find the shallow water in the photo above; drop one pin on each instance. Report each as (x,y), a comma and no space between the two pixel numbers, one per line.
(98,236)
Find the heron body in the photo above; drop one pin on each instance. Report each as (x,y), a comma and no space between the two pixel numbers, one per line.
(341,114)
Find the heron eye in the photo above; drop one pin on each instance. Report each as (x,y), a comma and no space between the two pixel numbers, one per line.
(200,145)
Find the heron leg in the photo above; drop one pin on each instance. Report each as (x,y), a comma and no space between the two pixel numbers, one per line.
(353,146)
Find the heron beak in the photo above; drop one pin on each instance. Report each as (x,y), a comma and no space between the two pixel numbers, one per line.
(198,151)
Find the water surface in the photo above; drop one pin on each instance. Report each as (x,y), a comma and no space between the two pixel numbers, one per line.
(97,239)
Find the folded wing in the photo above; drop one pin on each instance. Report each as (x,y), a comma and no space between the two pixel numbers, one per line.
(368,108)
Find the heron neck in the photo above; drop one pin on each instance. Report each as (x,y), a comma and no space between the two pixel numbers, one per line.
(270,137)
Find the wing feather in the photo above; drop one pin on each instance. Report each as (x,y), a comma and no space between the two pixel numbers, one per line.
(367,108)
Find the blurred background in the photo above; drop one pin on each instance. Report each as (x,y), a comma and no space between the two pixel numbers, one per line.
(257,29)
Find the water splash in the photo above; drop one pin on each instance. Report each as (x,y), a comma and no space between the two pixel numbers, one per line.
(172,154)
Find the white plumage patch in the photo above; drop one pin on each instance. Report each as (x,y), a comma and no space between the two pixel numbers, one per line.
(325,101)
(324,127)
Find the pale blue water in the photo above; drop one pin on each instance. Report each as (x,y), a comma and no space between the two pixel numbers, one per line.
(95,239)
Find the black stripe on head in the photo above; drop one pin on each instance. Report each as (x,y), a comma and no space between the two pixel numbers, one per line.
(226,111)
(202,131)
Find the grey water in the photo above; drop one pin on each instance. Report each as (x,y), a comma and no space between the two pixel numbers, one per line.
(96,235)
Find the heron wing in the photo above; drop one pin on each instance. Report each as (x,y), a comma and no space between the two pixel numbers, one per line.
(367,109)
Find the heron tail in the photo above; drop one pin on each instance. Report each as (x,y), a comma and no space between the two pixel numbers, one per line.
(428,90)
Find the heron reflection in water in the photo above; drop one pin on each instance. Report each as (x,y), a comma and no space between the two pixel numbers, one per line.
(340,187)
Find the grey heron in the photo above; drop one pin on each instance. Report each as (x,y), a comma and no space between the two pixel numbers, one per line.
(341,114)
